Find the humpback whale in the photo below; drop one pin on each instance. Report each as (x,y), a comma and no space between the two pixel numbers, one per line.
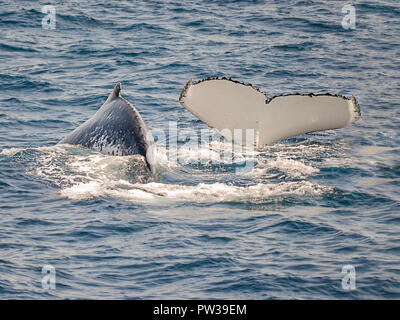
(223,103)
(116,129)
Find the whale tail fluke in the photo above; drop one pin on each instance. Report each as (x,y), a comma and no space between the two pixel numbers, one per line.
(228,105)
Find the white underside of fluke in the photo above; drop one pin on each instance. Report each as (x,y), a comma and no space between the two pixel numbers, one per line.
(230,106)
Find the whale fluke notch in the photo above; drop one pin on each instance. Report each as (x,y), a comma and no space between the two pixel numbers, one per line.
(117,128)
(223,103)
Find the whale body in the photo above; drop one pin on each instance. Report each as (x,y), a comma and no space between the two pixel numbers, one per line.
(115,129)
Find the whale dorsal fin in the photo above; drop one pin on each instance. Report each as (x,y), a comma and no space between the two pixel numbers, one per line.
(115,93)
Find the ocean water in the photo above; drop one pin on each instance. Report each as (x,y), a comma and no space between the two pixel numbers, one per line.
(283,230)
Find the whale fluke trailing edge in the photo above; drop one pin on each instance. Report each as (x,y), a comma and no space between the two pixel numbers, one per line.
(223,103)
(116,129)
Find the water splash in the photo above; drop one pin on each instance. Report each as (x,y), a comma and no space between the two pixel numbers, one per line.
(82,174)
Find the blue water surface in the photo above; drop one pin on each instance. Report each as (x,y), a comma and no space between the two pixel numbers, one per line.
(311,205)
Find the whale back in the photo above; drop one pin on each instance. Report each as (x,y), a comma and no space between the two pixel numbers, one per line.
(115,129)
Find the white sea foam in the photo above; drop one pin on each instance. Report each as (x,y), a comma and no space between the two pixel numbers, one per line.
(48,149)
(201,193)
(82,174)
(103,181)
(291,168)
(215,152)
(10,151)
